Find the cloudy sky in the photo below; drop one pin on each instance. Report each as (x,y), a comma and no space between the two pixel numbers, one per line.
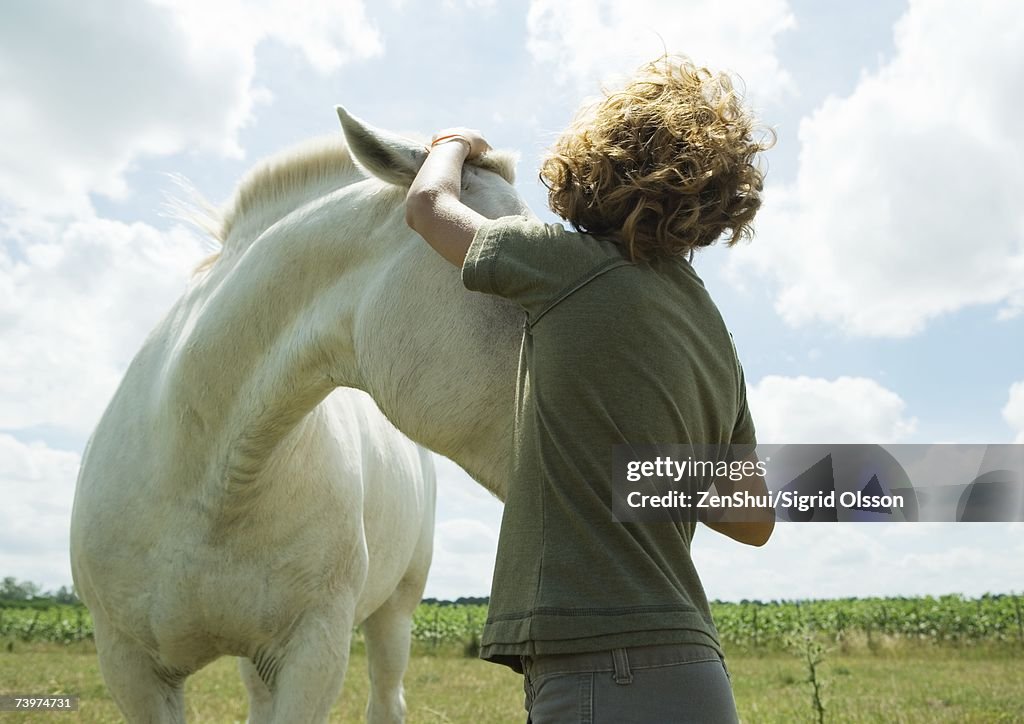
(881,301)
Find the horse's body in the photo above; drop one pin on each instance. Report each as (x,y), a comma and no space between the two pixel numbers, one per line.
(233,500)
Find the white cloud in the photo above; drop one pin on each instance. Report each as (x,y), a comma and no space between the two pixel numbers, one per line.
(834,560)
(473,5)
(1013,307)
(88,88)
(329,33)
(584,41)
(37,485)
(790,410)
(76,301)
(1013,413)
(465,537)
(464,551)
(906,205)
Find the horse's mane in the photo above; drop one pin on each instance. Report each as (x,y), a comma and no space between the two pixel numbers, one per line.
(308,164)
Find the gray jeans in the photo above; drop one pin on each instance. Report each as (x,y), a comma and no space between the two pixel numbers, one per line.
(638,685)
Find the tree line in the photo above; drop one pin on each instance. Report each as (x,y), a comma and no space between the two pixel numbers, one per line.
(26,594)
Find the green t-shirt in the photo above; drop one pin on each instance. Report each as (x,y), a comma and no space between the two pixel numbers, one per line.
(613,353)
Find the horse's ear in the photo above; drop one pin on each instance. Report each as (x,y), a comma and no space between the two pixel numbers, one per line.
(387,156)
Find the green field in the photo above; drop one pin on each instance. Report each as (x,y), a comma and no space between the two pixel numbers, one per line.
(886,660)
(442,685)
(991,619)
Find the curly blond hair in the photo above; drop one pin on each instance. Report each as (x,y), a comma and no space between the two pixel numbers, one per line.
(664,166)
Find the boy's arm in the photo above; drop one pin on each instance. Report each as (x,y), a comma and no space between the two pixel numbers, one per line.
(752,526)
(432,206)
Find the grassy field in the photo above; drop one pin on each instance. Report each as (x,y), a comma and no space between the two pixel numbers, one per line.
(902,683)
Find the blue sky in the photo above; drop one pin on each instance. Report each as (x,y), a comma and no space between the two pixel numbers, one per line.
(881,301)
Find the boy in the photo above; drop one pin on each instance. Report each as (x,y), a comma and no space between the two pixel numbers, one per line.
(622,344)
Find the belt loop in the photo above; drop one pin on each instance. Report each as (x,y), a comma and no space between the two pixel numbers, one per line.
(727,674)
(622,673)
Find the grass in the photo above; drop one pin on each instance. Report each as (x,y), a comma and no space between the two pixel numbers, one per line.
(916,685)
(893,684)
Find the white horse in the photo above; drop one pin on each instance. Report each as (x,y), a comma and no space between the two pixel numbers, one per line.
(233,500)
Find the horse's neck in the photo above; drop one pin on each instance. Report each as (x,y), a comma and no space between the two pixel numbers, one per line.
(441,361)
(329,297)
(251,347)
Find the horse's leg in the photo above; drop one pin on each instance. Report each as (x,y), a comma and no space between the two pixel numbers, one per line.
(143,693)
(260,700)
(388,632)
(311,667)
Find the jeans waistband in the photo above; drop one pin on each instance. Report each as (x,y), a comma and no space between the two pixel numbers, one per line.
(638,657)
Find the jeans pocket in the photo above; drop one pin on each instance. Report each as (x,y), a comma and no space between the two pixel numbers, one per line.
(562,699)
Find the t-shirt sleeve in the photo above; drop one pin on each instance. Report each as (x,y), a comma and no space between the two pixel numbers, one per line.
(743,432)
(532,263)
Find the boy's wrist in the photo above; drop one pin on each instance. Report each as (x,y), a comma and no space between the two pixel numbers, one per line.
(474,140)
(447,140)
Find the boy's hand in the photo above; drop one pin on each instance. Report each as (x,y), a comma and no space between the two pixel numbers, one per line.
(752,526)
(433,207)
(473,139)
